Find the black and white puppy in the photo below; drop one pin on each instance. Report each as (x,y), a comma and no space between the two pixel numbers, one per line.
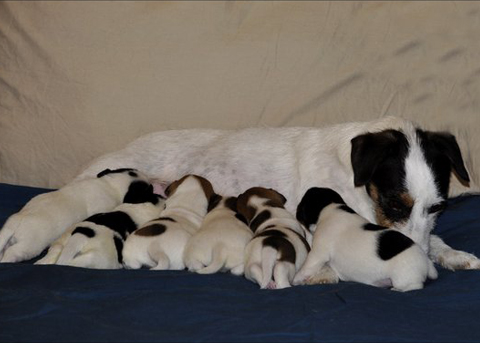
(219,244)
(98,241)
(160,244)
(356,249)
(46,217)
(280,244)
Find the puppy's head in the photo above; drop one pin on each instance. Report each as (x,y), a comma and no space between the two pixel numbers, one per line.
(131,184)
(407,173)
(313,202)
(252,204)
(191,190)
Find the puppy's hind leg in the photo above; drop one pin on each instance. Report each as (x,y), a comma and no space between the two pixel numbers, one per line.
(219,256)
(55,250)
(158,256)
(314,264)
(283,274)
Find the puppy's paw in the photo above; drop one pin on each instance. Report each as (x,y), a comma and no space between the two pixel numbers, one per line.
(456,259)
(326,275)
(271,285)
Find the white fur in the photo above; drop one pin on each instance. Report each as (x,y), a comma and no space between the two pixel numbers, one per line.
(290,160)
(98,252)
(219,244)
(46,217)
(187,206)
(341,242)
(262,263)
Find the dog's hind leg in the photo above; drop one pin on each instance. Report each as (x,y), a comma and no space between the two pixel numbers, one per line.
(55,250)
(219,256)
(162,260)
(269,257)
(283,274)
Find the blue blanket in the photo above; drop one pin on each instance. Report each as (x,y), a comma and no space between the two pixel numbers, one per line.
(55,303)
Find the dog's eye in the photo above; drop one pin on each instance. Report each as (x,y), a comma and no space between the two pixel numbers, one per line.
(396,205)
(437,207)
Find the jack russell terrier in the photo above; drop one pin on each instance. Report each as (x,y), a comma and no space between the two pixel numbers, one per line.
(98,241)
(160,244)
(47,216)
(358,250)
(219,244)
(390,171)
(280,244)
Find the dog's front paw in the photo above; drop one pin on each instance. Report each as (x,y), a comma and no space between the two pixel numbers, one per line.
(456,259)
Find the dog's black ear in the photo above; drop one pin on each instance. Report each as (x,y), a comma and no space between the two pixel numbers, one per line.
(369,150)
(140,192)
(446,144)
(104,172)
(313,202)
(213,201)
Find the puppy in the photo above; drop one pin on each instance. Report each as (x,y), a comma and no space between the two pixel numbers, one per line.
(46,217)
(160,244)
(220,242)
(358,250)
(279,246)
(98,241)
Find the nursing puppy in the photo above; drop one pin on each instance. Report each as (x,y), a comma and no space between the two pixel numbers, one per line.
(98,241)
(160,244)
(388,170)
(46,217)
(358,250)
(279,246)
(219,244)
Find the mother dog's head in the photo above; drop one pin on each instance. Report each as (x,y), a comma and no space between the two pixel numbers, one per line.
(407,174)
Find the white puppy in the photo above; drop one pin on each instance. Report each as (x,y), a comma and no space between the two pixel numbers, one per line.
(98,241)
(160,244)
(358,250)
(46,217)
(220,242)
(280,244)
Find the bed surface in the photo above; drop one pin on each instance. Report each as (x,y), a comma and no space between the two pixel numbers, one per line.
(56,303)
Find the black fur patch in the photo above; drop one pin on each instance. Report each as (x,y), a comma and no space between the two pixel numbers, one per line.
(151,230)
(110,171)
(313,202)
(392,243)
(373,227)
(84,231)
(260,219)
(213,202)
(140,192)
(278,241)
(241,218)
(119,246)
(346,209)
(231,203)
(443,154)
(117,221)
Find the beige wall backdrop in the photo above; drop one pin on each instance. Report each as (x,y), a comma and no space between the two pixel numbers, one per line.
(78,79)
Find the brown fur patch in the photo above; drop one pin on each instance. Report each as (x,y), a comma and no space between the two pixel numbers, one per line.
(382,219)
(151,230)
(206,186)
(274,199)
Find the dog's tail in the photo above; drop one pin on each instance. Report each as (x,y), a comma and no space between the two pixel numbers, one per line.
(269,257)
(74,246)
(219,257)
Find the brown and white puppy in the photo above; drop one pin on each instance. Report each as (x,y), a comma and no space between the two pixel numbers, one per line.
(160,243)
(280,243)
(46,217)
(356,249)
(97,242)
(220,243)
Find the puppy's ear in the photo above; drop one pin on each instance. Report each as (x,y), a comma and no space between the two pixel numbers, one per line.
(140,192)
(246,211)
(276,199)
(446,144)
(213,202)
(313,202)
(368,152)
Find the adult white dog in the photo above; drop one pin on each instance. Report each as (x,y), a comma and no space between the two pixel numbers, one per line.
(387,170)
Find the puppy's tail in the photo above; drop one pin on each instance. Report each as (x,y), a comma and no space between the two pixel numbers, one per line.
(219,257)
(74,246)
(269,257)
